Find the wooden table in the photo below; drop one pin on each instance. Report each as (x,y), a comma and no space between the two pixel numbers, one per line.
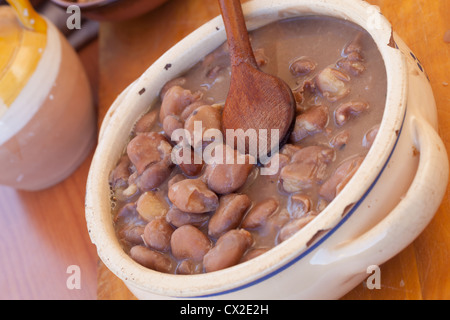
(32,222)
(418,272)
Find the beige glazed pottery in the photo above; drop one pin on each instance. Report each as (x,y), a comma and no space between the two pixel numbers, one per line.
(47,118)
(385,206)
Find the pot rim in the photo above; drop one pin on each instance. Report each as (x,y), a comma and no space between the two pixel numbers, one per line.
(206,38)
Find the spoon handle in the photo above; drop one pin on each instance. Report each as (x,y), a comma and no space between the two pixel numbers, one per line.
(237,35)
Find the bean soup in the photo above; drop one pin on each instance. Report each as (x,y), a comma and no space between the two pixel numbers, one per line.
(192,216)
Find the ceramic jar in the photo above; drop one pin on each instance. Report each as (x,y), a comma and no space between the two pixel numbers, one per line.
(47,117)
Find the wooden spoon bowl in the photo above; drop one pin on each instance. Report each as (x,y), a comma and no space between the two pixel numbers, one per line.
(256,100)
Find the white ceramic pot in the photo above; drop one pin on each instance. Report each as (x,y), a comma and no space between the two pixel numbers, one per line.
(385,206)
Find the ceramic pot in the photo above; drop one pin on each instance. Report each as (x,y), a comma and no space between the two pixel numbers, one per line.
(384,207)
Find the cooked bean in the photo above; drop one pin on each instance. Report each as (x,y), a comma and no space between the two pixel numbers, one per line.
(165,151)
(340,140)
(146,122)
(188,242)
(191,108)
(310,122)
(132,234)
(190,167)
(193,195)
(209,117)
(119,176)
(294,226)
(153,176)
(307,167)
(176,99)
(274,223)
(181,81)
(170,124)
(351,66)
(188,267)
(354,45)
(224,177)
(151,206)
(148,148)
(305,95)
(259,214)
(302,66)
(332,84)
(348,110)
(156,163)
(299,205)
(339,179)
(179,218)
(132,179)
(157,234)
(355,56)
(126,213)
(151,259)
(353,51)
(229,214)
(228,250)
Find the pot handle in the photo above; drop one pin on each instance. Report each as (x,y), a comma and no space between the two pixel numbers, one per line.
(411,215)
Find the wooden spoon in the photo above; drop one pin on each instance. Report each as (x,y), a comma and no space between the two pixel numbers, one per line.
(256,100)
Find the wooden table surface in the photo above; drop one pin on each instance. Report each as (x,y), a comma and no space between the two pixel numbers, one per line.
(42,233)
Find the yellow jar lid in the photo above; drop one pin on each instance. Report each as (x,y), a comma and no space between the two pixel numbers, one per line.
(23,38)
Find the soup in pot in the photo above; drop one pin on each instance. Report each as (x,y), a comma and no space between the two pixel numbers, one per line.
(185,202)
